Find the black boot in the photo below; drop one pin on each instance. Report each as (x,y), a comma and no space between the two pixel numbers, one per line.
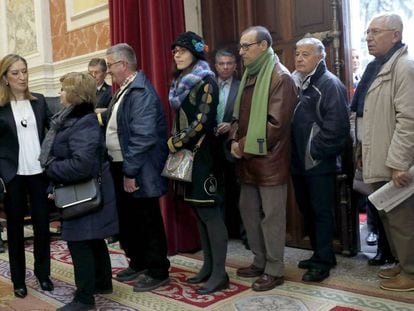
(205,271)
(217,233)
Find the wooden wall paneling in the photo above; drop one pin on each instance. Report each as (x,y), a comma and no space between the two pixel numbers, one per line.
(219,19)
(268,14)
(311,16)
(246,13)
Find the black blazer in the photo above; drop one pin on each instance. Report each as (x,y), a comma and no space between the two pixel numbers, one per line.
(9,144)
(228,112)
(228,116)
(104,96)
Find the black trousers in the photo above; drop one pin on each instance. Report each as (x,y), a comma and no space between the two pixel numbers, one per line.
(315,196)
(141,229)
(22,190)
(231,200)
(92,266)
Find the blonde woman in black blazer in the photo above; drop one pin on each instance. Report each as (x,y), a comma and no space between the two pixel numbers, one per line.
(24,116)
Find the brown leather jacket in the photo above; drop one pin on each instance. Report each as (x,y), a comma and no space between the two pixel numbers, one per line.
(274,168)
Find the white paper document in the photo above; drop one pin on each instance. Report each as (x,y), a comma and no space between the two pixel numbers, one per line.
(389,196)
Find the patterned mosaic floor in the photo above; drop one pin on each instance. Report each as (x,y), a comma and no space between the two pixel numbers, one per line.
(179,296)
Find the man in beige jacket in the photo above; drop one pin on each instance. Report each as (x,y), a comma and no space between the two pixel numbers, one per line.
(385,125)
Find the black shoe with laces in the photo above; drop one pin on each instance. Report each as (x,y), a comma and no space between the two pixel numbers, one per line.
(147,283)
(128,274)
(315,275)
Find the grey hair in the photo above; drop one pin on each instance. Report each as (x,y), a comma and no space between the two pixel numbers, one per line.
(262,33)
(319,47)
(98,62)
(393,20)
(123,51)
(224,52)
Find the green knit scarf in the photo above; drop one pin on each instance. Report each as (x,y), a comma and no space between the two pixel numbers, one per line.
(256,131)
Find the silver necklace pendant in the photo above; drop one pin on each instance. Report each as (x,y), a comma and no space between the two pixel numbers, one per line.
(23,122)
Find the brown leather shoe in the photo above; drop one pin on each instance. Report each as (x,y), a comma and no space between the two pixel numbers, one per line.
(389,273)
(400,283)
(267,282)
(250,272)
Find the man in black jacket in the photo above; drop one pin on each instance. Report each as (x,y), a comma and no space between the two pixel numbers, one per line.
(320,128)
(97,68)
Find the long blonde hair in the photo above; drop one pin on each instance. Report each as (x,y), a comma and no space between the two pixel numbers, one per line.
(6,95)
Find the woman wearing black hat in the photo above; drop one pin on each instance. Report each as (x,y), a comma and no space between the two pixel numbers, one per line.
(194,96)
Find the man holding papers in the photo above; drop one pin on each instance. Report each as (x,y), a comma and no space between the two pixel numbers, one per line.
(385,109)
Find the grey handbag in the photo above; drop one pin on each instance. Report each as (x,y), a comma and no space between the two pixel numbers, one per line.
(179,165)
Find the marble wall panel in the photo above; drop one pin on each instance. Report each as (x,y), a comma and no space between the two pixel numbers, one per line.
(21,28)
(67,44)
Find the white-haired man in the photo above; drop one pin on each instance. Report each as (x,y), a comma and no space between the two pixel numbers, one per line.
(320,128)
(384,107)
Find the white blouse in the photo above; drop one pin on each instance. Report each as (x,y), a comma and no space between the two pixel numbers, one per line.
(28,138)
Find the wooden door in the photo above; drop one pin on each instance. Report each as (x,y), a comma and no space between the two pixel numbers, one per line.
(288,21)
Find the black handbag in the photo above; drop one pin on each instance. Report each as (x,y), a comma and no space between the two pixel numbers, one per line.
(77,200)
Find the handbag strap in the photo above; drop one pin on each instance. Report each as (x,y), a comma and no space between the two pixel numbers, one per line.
(100,161)
(198,144)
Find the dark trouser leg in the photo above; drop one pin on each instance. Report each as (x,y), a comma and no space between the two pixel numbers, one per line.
(231,200)
(40,219)
(122,207)
(141,229)
(319,214)
(217,235)
(103,270)
(84,268)
(303,201)
(373,218)
(15,204)
(323,207)
(383,245)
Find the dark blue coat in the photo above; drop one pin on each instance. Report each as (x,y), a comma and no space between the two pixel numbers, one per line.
(320,125)
(142,133)
(76,148)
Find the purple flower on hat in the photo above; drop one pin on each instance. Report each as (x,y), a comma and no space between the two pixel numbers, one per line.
(199,46)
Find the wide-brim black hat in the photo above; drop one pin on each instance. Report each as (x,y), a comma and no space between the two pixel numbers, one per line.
(192,42)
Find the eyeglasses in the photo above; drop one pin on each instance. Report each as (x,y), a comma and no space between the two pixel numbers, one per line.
(376,31)
(246,46)
(179,51)
(109,65)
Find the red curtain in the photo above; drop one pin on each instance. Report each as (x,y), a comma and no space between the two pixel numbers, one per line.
(150,27)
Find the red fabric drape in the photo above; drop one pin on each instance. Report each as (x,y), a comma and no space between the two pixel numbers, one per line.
(150,26)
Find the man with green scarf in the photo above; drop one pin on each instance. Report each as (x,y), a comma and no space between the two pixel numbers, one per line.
(260,140)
